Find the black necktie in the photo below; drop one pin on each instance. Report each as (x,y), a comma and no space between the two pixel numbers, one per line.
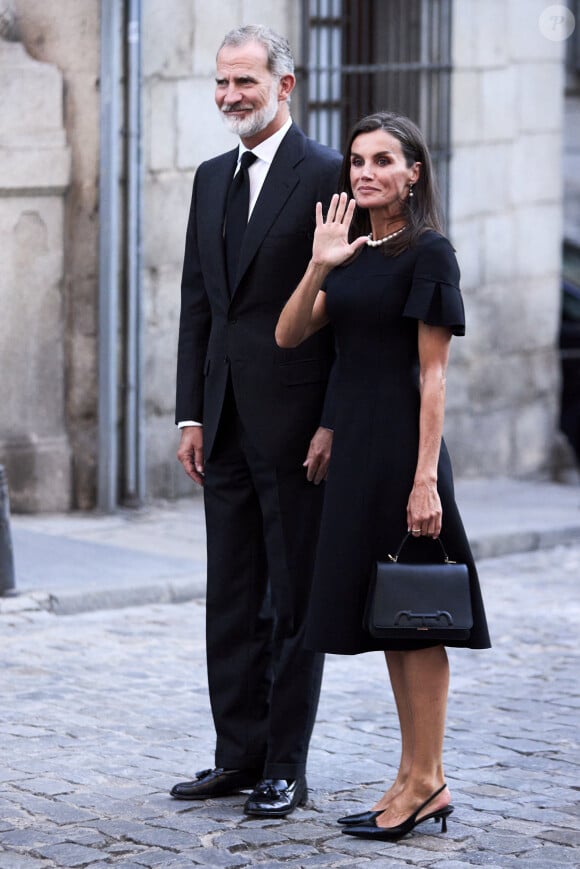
(237,209)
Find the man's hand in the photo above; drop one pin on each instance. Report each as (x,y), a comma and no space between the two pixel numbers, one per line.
(318,457)
(190,452)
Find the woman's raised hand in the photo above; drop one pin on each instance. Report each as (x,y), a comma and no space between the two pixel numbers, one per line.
(331,246)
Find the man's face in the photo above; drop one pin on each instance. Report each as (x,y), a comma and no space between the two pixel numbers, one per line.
(247,94)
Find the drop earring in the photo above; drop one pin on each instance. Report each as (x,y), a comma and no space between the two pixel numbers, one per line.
(411,194)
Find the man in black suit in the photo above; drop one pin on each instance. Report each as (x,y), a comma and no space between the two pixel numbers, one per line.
(256,426)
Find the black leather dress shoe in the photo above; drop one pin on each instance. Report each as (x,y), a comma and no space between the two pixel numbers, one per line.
(276,797)
(215,783)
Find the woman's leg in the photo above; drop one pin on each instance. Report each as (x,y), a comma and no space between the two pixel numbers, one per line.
(421,688)
(398,684)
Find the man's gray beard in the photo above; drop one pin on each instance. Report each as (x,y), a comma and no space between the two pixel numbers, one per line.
(254,123)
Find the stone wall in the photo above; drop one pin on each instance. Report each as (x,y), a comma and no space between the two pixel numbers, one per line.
(66,33)
(34,175)
(506,223)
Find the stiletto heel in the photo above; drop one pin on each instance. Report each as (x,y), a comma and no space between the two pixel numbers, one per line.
(442,816)
(371,830)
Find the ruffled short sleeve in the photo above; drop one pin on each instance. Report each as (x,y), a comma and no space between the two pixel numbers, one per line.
(435,297)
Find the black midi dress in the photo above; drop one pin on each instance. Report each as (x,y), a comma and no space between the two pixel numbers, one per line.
(375,303)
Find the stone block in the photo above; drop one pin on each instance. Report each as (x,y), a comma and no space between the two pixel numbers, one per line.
(498,104)
(492,177)
(168,38)
(161,325)
(520,316)
(212,22)
(465,236)
(201,133)
(535,169)
(72,855)
(480,34)
(497,247)
(483,324)
(162,295)
(544,371)
(160,125)
(498,384)
(82,376)
(24,170)
(81,229)
(166,209)
(534,429)
(462,205)
(31,99)
(160,375)
(31,326)
(539,105)
(33,151)
(466,117)
(457,387)
(35,167)
(82,101)
(280,16)
(479,180)
(540,297)
(69,33)
(538,242)
(81,307)
(480,443)
(38,468)
(527,42)
(84,438)
(463,35)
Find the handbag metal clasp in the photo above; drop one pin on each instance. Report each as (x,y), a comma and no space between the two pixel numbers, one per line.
(439,619)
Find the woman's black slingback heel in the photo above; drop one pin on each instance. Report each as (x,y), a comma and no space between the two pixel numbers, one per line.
(370,830)
(359,818)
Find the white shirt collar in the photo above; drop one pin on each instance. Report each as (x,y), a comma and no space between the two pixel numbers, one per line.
(266,150)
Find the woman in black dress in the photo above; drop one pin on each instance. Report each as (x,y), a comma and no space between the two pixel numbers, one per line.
(387,279)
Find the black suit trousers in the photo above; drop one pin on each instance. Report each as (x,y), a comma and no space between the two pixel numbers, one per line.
(262,525)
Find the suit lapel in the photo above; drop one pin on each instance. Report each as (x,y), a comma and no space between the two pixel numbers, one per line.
(213,212)
(282,178)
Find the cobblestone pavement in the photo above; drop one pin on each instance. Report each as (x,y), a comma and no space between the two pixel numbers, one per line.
(100,713)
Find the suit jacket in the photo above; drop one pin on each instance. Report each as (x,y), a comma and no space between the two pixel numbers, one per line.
(227,331)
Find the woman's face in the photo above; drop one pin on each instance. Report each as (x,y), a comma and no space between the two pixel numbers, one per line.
(379,175)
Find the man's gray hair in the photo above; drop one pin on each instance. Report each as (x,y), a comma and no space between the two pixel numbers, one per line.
(280,58)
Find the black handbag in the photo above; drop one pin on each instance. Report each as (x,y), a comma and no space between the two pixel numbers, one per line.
(419,601)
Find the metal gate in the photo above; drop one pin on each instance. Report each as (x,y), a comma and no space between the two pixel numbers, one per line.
(362,56)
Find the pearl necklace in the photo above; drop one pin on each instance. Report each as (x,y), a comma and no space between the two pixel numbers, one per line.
(372,243)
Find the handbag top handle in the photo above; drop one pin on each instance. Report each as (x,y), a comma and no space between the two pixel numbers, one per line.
(394,558)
